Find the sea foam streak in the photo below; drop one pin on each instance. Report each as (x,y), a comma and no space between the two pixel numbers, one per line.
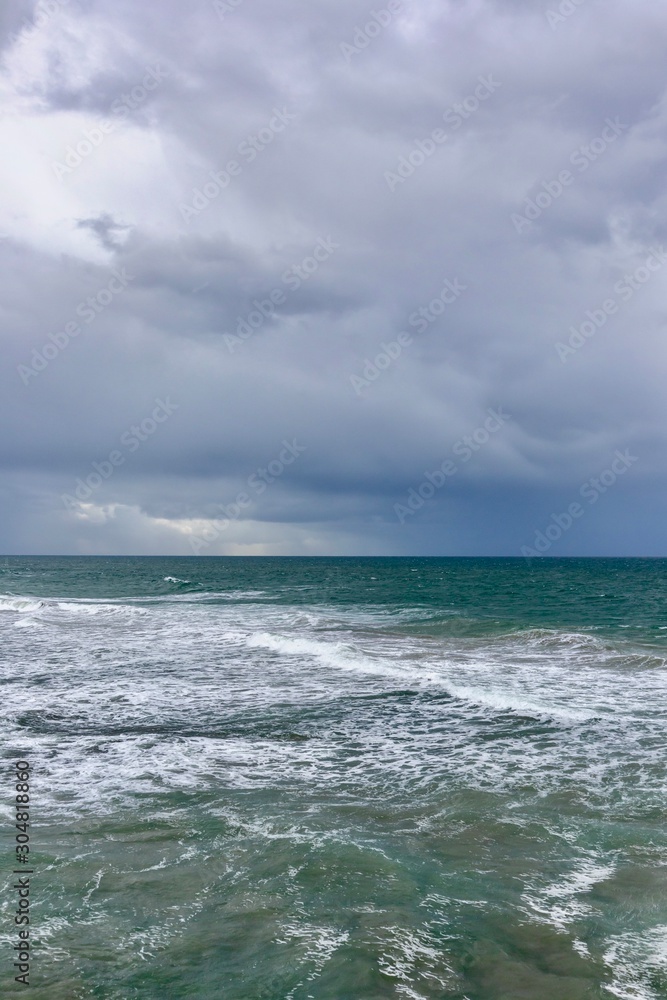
(427,674)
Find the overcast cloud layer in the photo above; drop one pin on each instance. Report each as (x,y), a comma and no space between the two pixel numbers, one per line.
(498,166)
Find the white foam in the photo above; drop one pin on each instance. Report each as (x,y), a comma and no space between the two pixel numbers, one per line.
(633,960)
(320,944)
(517,703)
(557,637)
(47,609)
(409,956)
(22,605)
(116,673)
(561,903)
(335,654)
(504,683)
(92,608)
(430,674)
(29,623)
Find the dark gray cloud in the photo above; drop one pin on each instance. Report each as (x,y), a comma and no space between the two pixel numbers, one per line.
(227,227)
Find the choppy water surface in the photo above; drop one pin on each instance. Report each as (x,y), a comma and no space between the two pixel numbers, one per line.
(340,779)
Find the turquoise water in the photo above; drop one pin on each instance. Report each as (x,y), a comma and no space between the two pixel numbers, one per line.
(340,779)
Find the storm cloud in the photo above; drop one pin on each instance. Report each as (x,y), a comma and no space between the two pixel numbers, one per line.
(423,244)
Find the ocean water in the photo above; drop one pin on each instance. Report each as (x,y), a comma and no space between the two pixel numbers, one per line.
(339,779)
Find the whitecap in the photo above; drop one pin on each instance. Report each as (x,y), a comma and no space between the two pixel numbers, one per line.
(22,605)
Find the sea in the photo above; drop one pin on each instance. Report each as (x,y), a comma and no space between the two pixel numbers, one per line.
(337,778)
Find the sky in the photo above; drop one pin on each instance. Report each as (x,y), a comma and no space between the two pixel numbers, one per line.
(319,277)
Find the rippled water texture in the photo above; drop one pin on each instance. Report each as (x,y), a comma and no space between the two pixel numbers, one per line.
(340,779)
